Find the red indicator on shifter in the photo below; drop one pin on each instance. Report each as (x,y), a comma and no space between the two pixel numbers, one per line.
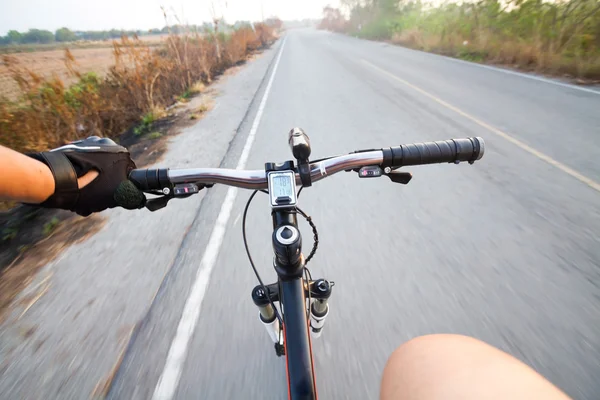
(185,189)
(372,171)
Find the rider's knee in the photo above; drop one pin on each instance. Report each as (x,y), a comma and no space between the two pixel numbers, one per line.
(455,366)
(422,350)
(413,364)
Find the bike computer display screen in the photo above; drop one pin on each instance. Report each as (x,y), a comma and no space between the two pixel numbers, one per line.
(282,186)
(282,189)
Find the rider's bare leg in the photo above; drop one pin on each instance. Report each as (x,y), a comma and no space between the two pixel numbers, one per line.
(458,367)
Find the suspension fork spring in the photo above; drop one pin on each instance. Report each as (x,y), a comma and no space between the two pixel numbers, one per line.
(266,311)
(320,291)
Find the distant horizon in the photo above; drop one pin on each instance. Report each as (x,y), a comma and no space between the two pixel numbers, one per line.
(135,15)
(161,27)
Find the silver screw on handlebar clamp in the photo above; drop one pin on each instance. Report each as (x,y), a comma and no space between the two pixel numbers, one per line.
(166,191)
(387,170)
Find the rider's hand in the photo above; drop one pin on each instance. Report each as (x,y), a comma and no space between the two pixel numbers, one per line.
(75,160)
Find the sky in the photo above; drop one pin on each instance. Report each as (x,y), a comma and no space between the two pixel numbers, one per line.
(22,15)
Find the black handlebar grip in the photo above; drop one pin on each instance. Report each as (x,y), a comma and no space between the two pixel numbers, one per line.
(300,144)
(447,151)
(150,179)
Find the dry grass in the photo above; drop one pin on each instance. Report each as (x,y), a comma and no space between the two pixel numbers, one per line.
(148,40)
(197,88)
(52,63)
(154,39)
(134,90)
(522,55)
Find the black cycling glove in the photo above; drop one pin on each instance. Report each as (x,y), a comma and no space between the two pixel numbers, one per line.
(74,160)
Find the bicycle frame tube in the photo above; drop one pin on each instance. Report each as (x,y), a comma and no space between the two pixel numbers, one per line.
(298,348)
(298,351)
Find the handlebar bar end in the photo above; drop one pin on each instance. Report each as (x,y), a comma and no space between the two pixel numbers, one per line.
(480,149)
(150,179)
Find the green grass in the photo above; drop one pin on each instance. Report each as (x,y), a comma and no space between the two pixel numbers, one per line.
(186,95)
(50,226)
(9,233)
(147,120)
(471,55)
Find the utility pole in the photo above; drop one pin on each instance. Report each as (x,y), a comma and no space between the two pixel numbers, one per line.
(215,29)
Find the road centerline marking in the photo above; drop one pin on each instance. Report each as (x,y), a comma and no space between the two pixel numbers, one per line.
(544,157)
(171,374)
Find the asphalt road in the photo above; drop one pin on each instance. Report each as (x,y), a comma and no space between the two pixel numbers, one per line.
(506,250)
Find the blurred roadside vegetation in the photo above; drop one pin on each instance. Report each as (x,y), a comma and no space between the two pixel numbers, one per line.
(554,37)
(39,39)
(139,86)
(15,41)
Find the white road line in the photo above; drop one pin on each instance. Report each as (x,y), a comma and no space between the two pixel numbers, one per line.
(568,170)
(524,75)
(169,379)
(506,71)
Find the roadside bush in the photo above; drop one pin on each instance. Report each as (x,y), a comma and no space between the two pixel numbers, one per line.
(378,29)
(265,33)
(140,84)
(560,37)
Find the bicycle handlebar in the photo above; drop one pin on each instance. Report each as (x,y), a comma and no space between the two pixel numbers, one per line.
(449,151)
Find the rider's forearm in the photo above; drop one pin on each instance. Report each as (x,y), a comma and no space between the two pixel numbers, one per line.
(24,179)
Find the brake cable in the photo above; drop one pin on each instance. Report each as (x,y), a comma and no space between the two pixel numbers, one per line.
(262,285)
(315,234)
(307,274)
(310,256)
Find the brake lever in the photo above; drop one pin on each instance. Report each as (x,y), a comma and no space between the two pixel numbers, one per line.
(399,177)
(157,203)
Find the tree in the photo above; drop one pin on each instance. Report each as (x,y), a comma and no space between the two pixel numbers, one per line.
(115,33)
(242,24)
(333,20)
(274,22)
(38,36)
(13,37)
(65,35)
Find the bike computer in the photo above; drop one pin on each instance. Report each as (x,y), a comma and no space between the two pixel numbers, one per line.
(282,189)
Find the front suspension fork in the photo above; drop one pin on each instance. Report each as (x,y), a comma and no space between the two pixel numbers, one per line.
(318,291)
